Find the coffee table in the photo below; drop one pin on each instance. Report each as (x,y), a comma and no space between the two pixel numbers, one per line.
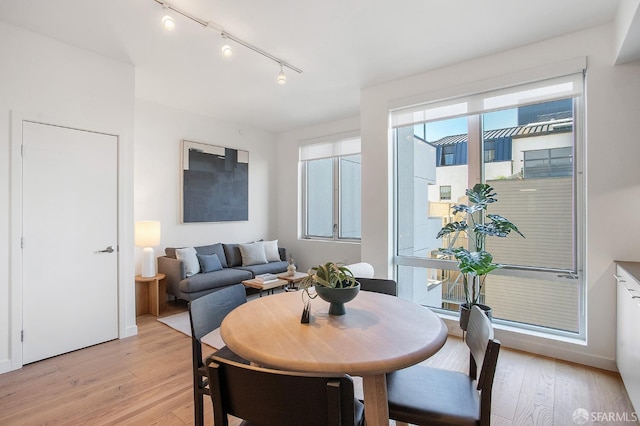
(293,279)
(262,286)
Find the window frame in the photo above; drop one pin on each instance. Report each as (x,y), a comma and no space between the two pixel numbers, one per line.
(476,168)
(448,155)
(336,198)
(449,191)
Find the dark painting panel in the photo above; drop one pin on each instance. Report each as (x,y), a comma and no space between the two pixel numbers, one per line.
(215,184)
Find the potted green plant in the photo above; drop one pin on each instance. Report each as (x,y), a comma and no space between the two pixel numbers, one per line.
(334,283)
(475,262)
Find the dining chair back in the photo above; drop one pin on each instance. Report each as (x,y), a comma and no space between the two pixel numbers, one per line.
(424,395)
(205,315)
(378,285)
(269,397)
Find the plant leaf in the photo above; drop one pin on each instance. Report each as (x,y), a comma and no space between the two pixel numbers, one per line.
(481,194)
(475,262)
(463,208)
(504,224)
(452,227)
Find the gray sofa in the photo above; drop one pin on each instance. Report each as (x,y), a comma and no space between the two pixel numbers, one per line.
(189,288)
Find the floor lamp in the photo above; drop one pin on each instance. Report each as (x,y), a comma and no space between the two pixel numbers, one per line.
(148,235)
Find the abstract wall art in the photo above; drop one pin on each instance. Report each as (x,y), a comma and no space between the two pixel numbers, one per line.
(215,183)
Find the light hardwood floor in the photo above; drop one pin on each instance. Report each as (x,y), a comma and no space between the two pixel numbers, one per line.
(146,379)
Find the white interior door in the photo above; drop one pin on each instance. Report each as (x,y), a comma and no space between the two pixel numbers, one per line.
(69,210)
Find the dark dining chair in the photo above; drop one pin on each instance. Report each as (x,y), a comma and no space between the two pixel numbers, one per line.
(266,397)
(378,285)
(206,314)
(423,395)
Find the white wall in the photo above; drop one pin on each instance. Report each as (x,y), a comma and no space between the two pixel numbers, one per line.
(44,79)
(307,253)
(456,176)
(612,128)
(158,134)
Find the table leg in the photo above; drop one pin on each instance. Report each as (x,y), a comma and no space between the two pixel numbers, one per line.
(154,297)
(162,295)
(376,408)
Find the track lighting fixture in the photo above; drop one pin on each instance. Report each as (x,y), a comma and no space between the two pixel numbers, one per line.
(167,20)
(282,79)
(169,24)
(226,49)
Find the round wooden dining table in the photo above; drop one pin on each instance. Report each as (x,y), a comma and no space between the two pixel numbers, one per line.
(378,334)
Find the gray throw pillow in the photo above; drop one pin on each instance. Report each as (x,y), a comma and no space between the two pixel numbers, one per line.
(252,254)
(189,259)
(232,254)
(209,262)
(214,249)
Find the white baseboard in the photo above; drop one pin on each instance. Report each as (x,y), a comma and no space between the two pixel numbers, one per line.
(6,365)
(563,349)
(130,331)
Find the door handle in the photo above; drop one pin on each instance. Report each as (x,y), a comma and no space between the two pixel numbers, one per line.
(109,249)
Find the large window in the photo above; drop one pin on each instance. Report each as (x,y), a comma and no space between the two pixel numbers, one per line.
(525,142)
(331,189)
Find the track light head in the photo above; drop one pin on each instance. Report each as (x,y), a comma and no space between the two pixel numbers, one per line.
(226,49)
(282,79)
(168,23)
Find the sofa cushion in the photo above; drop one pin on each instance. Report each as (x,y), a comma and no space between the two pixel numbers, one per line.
(216,279)
(214,249)
(209,262)
(189,259)
(271,251)
(232,253)
(266,268)
(234,257)
(252,253)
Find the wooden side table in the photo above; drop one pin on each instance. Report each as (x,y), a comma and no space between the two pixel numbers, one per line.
(151,295)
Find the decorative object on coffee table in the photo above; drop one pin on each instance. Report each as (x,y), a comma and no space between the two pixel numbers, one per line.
(334,283)
(291,269)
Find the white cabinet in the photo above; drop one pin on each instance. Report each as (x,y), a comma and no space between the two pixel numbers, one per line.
(628,337)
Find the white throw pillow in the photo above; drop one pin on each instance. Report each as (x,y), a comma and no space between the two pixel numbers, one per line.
(189,258)
(271,251)
(252,254)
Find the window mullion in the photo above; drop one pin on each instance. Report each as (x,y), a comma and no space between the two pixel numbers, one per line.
(305,198)
(474,150)
(336,198)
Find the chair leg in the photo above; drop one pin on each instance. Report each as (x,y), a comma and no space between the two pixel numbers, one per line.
(198,407)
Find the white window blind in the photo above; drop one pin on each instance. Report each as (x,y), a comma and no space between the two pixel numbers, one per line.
(512,97)
(316,151)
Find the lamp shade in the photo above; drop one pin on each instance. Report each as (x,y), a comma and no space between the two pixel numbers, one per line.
(147,233)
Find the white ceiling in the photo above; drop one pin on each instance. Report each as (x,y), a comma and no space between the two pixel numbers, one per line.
(341,45)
